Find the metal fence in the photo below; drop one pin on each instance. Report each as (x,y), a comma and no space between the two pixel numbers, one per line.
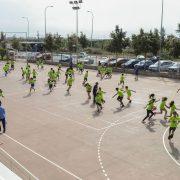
(15,166)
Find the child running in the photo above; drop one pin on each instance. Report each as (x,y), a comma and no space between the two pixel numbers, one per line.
(163,107)
(129,93)
(122,80)
(149,108)
(120,96)
(172,107)
(85,78)
(95,89)
(101,93)
(69,83)
(88,90)
(99,101)
(32,83)
(50,84)
(174,121)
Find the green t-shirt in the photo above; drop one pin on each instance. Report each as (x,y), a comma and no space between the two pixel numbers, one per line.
(86,76)
(150,106)
(120,93)
(173,108)
(98,99)
(128,93)
(70,81)
(174,121)
(162,105)
(88,88)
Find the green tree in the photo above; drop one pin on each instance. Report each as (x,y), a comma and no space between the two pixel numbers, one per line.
(172,45)
(178,29)
(49,43)
(118,41)
(3,40)
(58,42)
(2,53)
(83,41)
(141,43)
(15,43)
(154,40)
(72,42)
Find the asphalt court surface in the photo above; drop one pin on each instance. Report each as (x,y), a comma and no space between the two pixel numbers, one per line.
(61,137)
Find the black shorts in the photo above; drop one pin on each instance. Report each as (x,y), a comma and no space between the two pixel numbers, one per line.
(98,104)
(172,128)
(50,86)
(32,85)
(85,79)
(120,98)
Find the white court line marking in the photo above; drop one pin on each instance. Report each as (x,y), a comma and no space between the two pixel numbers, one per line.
(167,149)
(7,154)
(105,131)
(49,161)
(116,122)
(100,142)
(56,115)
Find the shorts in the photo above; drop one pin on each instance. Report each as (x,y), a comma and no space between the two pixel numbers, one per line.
(85,79)
(98,104)
(32,85)
(120,98)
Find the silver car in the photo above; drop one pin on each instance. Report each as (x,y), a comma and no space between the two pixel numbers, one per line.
(164,65)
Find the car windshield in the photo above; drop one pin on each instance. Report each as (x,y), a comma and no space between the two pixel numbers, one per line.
(130,61)
(142,62)
(175,65)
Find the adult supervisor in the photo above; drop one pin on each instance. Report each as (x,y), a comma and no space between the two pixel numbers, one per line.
(3,117)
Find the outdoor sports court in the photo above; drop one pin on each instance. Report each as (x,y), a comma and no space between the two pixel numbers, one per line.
(61,137)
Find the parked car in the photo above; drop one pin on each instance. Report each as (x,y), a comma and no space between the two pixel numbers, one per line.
(83,54)
(164,65)
(144,65)
(87,60)
(130,64)
(117,62)
(175,67)
(104,60)
(140,57)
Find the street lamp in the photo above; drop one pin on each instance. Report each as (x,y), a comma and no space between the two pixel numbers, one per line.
(27,25)
(45,19)
(161,38)
(76,7)
(92,30)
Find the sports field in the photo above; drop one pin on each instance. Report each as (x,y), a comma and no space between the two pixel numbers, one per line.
(61,137)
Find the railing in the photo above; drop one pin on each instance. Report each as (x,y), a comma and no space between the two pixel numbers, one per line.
(15,166)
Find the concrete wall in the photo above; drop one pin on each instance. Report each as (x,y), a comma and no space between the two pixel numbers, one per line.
(128,71)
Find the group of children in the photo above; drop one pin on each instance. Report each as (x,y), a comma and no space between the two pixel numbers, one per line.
(30,75)
(8,67)
(104,72)
(173,116)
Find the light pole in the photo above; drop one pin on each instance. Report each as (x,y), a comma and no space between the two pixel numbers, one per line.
(161,38)
(92,30)
(27,19)
(45,19)
(76,7)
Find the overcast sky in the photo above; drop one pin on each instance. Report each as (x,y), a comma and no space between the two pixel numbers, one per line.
(131,15)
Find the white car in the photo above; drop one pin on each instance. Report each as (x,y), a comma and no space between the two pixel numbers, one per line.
(104,60)
(164,65)
(175,67)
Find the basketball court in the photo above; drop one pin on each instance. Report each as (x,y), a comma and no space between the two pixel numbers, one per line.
(60,137)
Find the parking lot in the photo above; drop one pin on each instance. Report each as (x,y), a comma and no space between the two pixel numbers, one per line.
(61,137)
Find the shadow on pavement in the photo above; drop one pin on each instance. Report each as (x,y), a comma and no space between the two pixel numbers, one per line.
(175,152)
